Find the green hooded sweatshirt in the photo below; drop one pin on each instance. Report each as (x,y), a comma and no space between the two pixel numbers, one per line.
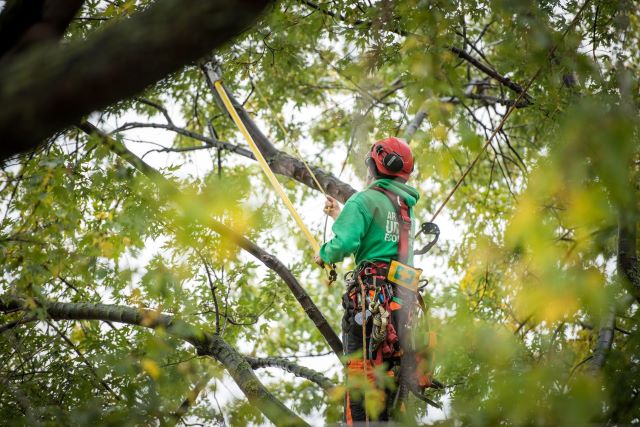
(367,225)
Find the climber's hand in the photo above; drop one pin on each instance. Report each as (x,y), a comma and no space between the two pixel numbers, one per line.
(332,207)
(318,260)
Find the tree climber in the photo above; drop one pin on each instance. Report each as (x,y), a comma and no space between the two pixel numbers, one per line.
(376,225)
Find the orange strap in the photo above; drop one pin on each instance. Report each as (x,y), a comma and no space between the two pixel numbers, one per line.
(347,411)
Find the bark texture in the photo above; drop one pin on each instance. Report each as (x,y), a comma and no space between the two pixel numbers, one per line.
(627,261)
(48,88)
(627,264)
(205,343)
(294,368)
(25,23)
(169,190)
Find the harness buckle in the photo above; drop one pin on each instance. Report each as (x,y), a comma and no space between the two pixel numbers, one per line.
(369,271)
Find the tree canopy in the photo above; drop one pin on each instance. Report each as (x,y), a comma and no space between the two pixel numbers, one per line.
(151,274)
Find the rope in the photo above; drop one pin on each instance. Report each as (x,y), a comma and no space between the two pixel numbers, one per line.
(508,113)
(364,347)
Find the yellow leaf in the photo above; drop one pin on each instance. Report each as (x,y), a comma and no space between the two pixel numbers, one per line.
(150,367)
(106,248)
(374,400)
(336,394)
(102,215)
(440,132)
(77,334)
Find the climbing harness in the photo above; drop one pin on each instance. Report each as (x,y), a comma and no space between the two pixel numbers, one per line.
(215,77)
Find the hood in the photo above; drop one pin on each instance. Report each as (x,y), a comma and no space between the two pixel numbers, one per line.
(408,193)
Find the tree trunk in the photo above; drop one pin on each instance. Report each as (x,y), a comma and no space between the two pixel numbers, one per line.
(627,263)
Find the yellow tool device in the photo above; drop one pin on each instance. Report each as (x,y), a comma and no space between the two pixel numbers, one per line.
(215,77)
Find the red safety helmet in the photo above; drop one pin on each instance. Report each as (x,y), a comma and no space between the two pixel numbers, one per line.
(391,157)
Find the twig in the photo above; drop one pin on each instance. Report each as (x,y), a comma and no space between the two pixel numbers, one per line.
(84,360)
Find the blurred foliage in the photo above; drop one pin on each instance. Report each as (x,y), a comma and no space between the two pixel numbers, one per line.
(521,282)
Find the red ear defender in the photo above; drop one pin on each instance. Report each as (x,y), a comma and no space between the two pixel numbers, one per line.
(392,157)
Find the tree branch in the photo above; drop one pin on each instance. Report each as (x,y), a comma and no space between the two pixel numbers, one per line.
(506,81)
(414,125)
(284,164)
(294,368)
(627,260)
(169,190)
(454,49)
(47,89)
(205,344)
(210,142)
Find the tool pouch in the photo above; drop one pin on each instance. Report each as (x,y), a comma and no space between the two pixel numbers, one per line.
(404,275)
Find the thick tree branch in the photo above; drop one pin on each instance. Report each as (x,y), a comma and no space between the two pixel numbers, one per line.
(284,164)
(414,125)
(205,344)
(25,23)
(169,190)
(47,89)
(294,368)
(627,260)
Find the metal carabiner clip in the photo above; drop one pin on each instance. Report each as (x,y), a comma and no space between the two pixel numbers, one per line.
(432,229)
